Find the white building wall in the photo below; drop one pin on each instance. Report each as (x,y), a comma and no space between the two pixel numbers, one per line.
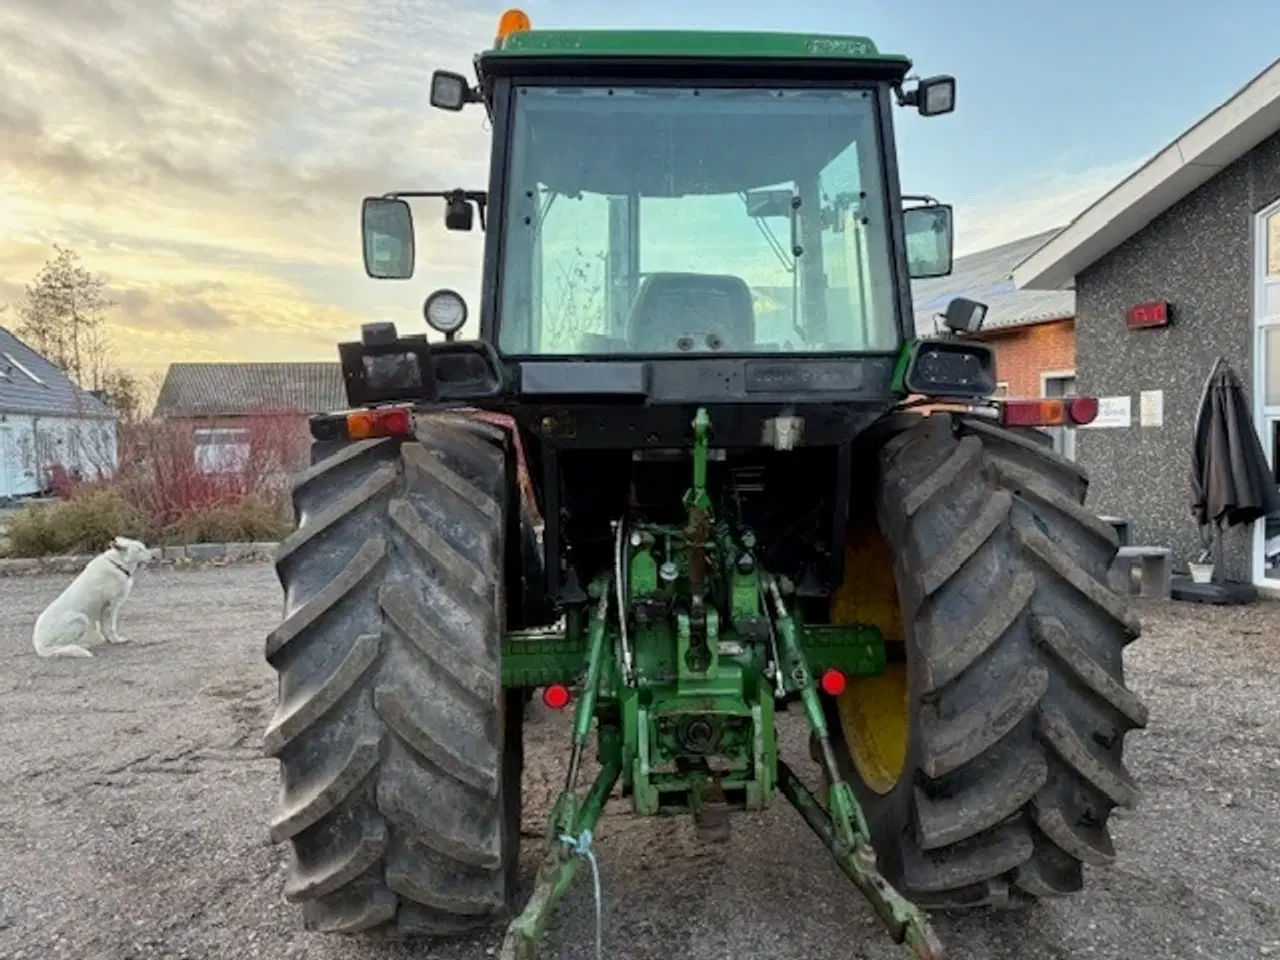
(29,446)
(17,468)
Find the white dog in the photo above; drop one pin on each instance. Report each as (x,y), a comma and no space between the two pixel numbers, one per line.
(88,608)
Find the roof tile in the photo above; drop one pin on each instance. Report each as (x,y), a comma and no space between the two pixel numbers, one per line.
(987,276)
(231,389)
(50,393)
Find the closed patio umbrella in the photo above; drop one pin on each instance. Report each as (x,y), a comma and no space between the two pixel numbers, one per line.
(1230,480)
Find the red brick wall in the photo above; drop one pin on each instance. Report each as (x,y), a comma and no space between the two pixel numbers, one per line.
(1024,353)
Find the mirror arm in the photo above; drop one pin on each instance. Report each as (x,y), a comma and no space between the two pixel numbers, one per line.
(479,197)
(922,198)
(475,196)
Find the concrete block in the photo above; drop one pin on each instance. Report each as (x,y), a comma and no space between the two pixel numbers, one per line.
(174,554)
(206,552)
(19,566)
(238,552)
(1121,527)
(70,563)
(1155,565)
(266,549)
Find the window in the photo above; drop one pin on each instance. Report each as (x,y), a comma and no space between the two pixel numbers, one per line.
(1273,245)
(14,362)
(221,450)
(1002,389)
(674,220)
(1061,384)
(1271,365)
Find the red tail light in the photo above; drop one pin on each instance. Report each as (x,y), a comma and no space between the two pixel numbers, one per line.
(380,422)
(833,682)
(1051,412)
(556,696)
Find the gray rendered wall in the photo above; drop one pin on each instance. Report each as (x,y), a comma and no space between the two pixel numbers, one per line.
(1199,256)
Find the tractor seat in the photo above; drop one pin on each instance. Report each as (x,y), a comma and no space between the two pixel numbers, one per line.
(692,312)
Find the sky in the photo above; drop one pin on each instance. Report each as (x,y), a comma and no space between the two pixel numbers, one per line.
(208,159)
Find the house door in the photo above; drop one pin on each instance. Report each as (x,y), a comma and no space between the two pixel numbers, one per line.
(8,462)
(1061,384)
(1266,382)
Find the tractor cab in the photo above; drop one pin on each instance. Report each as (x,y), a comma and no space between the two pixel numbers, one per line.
(667,197)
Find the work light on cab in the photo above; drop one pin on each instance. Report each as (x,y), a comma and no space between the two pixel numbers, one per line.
(932,96)
(445,312)
(937,96)
(946,368)
(964,316)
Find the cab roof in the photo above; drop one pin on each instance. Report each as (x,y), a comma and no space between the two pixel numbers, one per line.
(704,52)
(690,43)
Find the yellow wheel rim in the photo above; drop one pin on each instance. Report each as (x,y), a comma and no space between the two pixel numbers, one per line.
(875,712)
(875,719)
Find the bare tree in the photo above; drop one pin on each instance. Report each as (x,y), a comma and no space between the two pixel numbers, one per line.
(62,315)
(123,392)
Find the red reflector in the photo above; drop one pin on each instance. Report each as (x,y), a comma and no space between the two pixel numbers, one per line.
(380,422)
(556,696)
(1033,413)
(833,682)
(1083,409)
(397,422)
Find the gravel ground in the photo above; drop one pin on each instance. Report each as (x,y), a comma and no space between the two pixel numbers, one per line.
(133,810)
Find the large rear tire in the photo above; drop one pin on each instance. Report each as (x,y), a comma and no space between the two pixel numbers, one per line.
(1012,693)
(400,756)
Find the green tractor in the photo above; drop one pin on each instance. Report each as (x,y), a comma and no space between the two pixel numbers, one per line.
(697,469)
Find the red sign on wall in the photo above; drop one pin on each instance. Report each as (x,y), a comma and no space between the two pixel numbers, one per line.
(1144,315)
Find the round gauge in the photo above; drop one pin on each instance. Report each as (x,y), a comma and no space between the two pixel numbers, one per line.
(445,312)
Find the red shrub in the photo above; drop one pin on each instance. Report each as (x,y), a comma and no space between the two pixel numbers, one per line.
(164,475)
(175,483)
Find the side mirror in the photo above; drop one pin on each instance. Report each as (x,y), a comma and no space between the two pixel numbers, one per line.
(386,227)
(928,232)
(450,91)
(936,96)
(964,316)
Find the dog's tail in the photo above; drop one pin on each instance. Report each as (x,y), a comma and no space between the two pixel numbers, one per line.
(68,651)
(59,639)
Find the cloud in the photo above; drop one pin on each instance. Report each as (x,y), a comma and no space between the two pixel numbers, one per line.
(198,315)
(141,310)
(177,143)
(208,159)
(1033,206)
